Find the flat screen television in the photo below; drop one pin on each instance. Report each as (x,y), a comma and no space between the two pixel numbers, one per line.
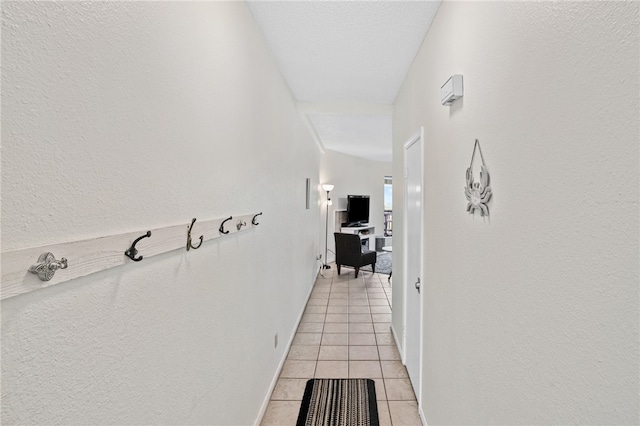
(357,210)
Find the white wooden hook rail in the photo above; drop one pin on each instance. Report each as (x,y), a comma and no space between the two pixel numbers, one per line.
(93,255)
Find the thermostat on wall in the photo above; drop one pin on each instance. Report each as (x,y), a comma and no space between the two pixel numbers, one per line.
(451,90)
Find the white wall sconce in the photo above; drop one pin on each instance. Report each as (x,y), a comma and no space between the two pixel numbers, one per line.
(452,90)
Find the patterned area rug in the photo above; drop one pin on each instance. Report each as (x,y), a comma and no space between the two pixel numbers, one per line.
(339,402)
(383,263)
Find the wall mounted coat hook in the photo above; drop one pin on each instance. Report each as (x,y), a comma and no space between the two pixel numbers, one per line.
(240,224)
(222,231)
(189,245)
(47,266)
(254,219)
(133,251)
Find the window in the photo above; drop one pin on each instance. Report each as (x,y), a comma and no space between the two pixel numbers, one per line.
(388,206)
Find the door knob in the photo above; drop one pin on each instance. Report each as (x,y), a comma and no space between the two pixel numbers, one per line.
(418,285)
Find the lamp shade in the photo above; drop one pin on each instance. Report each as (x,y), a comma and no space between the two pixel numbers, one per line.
(327,186)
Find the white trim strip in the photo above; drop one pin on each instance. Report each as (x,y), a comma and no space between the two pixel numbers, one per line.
(93,255)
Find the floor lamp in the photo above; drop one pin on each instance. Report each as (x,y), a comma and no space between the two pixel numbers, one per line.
(327,187)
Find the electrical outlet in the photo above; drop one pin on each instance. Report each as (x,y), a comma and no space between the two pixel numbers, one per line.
(275,341)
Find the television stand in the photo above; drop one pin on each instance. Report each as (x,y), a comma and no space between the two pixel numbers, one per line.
(365,232)
(354,225)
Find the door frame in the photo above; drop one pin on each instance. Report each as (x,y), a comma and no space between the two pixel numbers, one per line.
(417,137)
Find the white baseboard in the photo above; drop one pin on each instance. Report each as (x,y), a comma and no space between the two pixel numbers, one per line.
(423,418)
(395,339)
(274,380)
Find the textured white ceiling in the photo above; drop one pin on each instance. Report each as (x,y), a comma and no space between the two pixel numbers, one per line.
(334,52)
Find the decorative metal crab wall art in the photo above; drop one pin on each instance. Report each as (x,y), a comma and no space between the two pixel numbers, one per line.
(478,193)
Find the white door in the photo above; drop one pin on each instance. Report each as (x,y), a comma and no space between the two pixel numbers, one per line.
(413,149)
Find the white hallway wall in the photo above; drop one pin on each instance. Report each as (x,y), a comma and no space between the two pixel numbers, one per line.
(128,116)
(531,317)
(351,176)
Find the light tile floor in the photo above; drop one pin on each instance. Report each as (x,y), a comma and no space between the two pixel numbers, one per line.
(345,333)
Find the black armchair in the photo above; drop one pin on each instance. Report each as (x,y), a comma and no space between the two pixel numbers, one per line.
(349,253)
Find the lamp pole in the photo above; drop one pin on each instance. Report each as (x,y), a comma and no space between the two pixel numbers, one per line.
(328,188)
